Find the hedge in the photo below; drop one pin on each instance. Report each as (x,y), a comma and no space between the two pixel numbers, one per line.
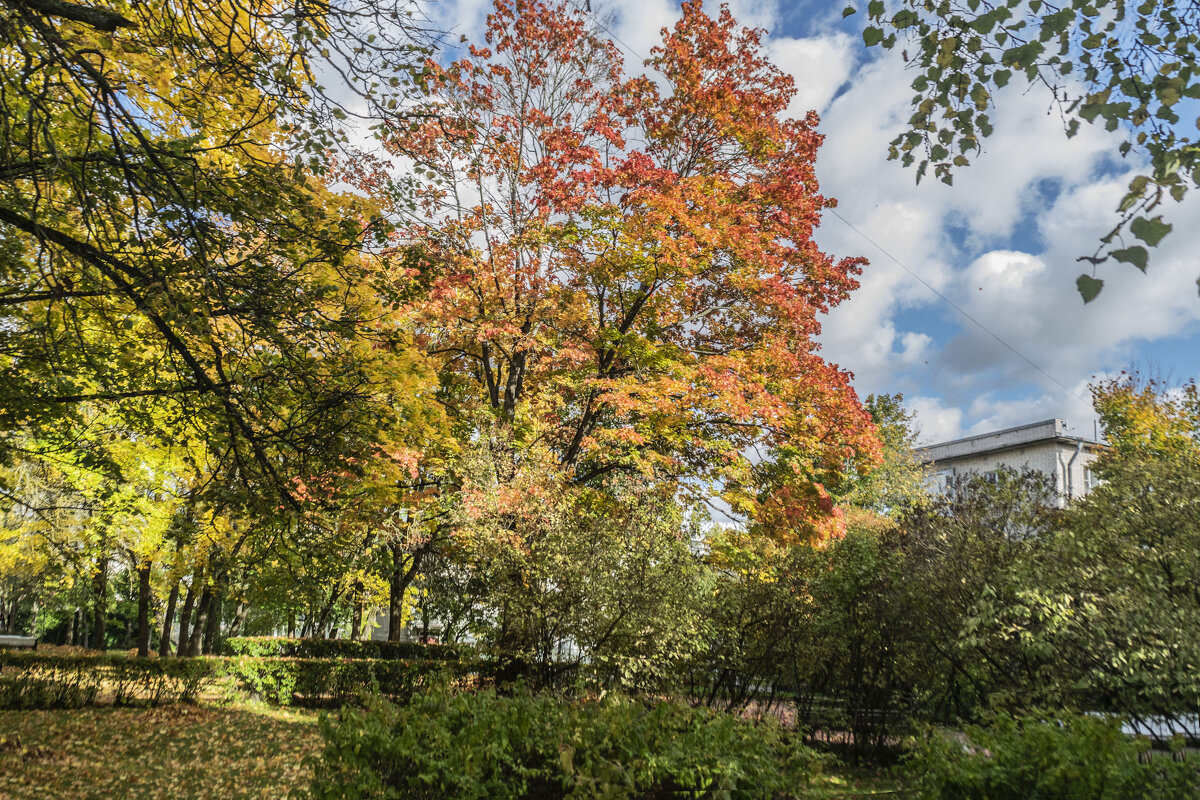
(280,647)
(40,680)
(335,682)
(35,680)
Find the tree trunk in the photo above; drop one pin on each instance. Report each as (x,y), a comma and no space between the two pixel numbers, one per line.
(164,642)
(326,612)
(291,629)
(72,637)
(212,631)
(100,604)
(356,617)
(404,570)
(193,648)
(185,619)
(239,618)
(143,621)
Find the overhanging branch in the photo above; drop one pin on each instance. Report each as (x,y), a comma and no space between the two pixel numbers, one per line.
(99,18)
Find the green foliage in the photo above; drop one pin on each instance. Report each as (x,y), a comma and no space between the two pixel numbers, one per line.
(1100,611)
(824,627)
(1111,62)
(880,629)
(336,681)
(281,647)
(1062,758)
(581,581)
(34,680)
(898,481)
(524,746)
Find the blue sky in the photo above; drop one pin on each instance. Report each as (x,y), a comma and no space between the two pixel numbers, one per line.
(1000,244)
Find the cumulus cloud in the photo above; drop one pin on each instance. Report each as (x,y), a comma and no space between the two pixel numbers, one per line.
(1001,245)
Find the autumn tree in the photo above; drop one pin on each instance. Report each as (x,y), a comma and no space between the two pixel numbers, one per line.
(175,265)
(168,236)
(621,270)
(1124,65)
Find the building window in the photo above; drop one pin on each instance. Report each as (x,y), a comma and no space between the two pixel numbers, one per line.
(1090,480)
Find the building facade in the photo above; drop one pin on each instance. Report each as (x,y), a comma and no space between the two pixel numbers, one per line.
(1042,446)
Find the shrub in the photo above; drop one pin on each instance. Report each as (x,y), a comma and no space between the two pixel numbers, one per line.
(483,745)
(34,680)
(1074,758)
(297,681)
(278,647)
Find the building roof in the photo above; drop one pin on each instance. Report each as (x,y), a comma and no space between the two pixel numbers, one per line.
(1050,430)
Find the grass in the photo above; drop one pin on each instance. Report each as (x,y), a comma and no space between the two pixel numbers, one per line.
(849,783)
(173,752)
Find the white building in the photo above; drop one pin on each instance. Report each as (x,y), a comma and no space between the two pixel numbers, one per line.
(1042,446)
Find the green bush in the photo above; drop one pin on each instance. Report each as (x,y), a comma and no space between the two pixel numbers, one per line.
(279,647)
(1073,758)
(479,746)
(313,682)
(34,680)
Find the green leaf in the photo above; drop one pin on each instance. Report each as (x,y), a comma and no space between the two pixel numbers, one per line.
(1135,255)
(875,8)
(1089,287)
(848,10)
(872,36)
(1150,231)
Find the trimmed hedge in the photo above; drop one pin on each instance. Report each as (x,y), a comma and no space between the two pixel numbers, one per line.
(480,746)
(38,680)
(335,682)
(1067,758)
(31,680)
(280,647)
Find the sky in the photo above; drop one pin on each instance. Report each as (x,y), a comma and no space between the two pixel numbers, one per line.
(968,305)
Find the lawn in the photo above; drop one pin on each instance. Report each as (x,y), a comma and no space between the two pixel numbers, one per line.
(178,752)
(172,753)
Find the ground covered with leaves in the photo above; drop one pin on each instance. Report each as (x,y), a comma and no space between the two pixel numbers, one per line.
(181,752)
(174,752)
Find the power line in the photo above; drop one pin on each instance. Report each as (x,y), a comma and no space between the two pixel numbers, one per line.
(596,20)
(902,265)
(958,308)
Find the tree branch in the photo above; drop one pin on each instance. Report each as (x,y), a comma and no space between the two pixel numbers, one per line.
(99,18)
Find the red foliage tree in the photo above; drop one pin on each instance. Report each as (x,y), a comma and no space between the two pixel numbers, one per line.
(622,271)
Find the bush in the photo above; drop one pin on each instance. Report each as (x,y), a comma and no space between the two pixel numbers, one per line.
(279,647)
(312,682)
(483,745)
(34,680)
(1074,758)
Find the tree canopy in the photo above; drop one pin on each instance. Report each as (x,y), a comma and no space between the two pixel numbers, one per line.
(621,269)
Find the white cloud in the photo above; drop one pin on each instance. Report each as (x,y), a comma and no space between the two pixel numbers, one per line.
(819,65)
(960,240)
(935,422)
